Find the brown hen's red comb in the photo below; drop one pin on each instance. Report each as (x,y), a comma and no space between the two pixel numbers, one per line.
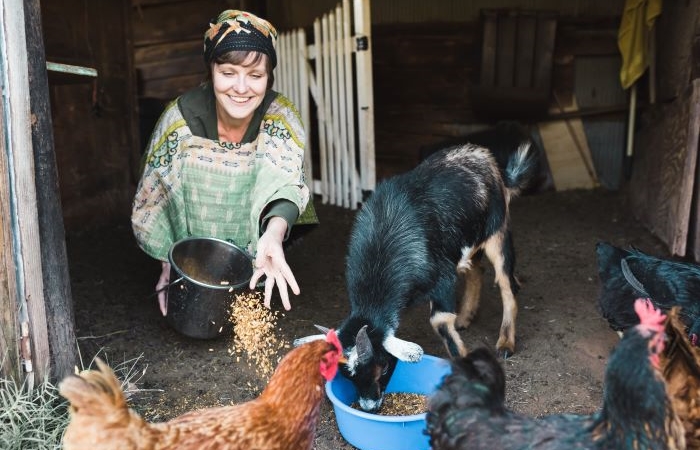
(332,337)
(649,316)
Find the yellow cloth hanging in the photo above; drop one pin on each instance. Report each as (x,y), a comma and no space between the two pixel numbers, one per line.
(633,37)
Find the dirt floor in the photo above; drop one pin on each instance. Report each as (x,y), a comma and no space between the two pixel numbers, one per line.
(562,342)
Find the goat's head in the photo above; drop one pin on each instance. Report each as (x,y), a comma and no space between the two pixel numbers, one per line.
(372,355)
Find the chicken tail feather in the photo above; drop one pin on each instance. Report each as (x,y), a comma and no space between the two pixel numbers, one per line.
(94,392)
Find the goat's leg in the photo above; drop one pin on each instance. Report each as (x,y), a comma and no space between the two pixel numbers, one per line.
(443,324)
(499,250)
(471,273)
(443,317)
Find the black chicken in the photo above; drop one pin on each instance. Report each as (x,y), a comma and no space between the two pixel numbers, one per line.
(626,275)
(467,411)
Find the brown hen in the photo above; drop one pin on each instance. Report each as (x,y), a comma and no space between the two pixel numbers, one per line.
(283,417)
(680,363)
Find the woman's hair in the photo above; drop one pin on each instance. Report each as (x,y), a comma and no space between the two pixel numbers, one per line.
(234,35)
(239,57)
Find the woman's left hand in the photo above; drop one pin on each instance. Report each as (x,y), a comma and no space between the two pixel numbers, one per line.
(270,262)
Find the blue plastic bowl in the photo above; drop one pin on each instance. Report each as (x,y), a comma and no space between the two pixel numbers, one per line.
(376,432)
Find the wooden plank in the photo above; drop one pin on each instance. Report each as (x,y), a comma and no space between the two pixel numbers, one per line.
(488,49)
(365,98)
(174,22)
(10,367)
(567,151)
(663,176)
(544,51)
(417,50)
(505,53)
(679,230)
(525,49)
(171,87)
(170,50)
(444,87)
(17,120)
(54,259)
(71,69)
(175,67)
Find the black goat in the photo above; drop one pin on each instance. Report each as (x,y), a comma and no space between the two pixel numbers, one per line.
(415,238)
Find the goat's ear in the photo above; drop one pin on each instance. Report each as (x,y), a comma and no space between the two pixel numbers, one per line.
(307,339)
(313,337)
(322,329)
(363,346)
(404,350)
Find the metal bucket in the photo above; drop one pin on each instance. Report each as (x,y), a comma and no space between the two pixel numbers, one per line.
(205,273)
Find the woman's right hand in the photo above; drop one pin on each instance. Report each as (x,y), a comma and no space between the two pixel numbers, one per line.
(163,281)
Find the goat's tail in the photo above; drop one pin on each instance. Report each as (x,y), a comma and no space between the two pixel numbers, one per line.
(521,168)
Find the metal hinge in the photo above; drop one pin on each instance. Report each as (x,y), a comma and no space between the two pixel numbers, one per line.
(361,43)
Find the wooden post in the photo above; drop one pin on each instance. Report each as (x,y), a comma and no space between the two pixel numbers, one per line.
(22,191)
(350,97)
(365,93)
(304,106)
(54,260)
(327,111)
(9,325)
(321,109)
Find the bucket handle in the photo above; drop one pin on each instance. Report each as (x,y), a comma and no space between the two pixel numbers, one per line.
(157,291)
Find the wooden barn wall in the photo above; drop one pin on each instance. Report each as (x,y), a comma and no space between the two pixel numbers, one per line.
(423,74)
(425,54)
(287,14)
(168,40)
(665,185)
(93,118)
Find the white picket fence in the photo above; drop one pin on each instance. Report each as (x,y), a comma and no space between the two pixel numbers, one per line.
(335,71)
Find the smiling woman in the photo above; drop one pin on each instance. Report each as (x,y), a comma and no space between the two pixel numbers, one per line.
(226,160)
(239,88)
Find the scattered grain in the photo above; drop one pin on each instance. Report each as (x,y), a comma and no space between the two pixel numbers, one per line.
(254,333)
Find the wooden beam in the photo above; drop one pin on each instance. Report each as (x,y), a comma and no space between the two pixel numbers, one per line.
(22,189)
(54,259)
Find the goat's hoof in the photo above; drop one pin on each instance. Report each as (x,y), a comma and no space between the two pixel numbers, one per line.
(461,326)
(505,347)
(505,353)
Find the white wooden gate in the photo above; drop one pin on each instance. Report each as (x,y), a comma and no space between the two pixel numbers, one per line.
(336,69)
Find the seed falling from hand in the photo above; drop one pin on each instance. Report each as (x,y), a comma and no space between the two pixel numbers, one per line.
(255,333)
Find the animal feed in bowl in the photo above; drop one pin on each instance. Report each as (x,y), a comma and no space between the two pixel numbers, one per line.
(400,404)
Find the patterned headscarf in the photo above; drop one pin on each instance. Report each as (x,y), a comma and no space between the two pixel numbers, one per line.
(239,30)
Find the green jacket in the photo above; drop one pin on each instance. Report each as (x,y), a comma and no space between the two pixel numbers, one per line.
(194,185)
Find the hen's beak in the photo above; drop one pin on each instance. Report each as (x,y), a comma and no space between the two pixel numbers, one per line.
(342,360)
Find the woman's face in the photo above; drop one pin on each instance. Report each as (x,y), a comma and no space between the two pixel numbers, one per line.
(239,88)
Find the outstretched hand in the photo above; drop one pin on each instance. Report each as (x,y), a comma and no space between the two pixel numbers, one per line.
(270,261)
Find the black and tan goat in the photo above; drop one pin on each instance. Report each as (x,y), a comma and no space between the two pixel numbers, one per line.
(412,241)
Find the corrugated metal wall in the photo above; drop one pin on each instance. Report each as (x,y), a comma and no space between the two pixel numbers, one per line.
(596,85)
